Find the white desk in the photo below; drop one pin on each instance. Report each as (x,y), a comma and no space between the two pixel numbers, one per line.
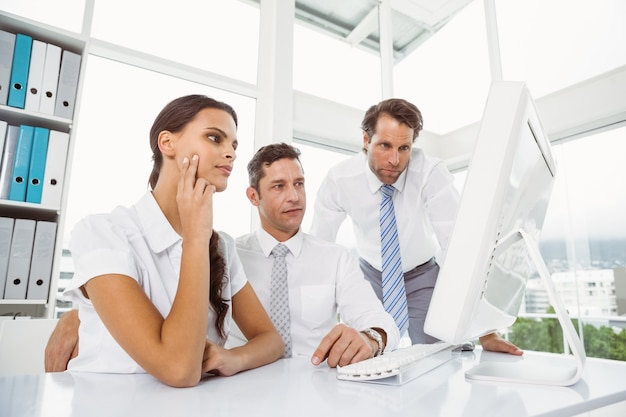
(294,388)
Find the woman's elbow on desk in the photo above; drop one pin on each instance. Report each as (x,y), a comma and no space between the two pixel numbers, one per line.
(178,375)
(182,381)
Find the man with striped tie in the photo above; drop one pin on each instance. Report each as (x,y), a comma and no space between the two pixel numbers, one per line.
(323,278)
(402,204)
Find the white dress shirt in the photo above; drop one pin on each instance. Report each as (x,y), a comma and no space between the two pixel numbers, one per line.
(140,243)
(425,203)
(324,280)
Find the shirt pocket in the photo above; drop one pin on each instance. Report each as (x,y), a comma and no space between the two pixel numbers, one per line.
(318,304)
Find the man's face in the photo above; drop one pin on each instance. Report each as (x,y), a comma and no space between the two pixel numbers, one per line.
(281,198)
(389,150)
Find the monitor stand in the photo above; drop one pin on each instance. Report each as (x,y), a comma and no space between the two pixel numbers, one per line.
(560,370)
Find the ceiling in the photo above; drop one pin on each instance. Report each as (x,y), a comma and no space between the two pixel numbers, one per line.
(356,21)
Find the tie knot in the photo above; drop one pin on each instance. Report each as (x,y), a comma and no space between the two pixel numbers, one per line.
(387,190)
(280,251)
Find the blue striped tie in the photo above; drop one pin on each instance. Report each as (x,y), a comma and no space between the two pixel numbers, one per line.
(394,293)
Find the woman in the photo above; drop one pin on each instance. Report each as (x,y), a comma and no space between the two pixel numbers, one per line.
(156,287)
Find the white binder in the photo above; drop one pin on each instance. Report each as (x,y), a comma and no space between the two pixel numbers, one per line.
(41,263)
(68,83)
(8,160)
(4,127)
(3,135)
(7,45)
(6,231)
(58,144)
(35,76)
(19,259)
(50,80)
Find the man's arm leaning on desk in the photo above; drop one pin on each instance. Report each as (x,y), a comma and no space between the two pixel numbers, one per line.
(63,343)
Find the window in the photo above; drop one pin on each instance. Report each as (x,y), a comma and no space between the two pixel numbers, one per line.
(541,43)
(202,34)
(584,243)
(112,158)
(66,14)
(334,70)
(316,162)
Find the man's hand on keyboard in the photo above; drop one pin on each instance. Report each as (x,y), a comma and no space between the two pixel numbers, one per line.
(493,342)
(343,345)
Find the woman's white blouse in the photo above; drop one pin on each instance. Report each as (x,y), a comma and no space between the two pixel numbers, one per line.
(140,243)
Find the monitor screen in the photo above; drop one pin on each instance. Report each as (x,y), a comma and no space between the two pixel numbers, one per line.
(493,247)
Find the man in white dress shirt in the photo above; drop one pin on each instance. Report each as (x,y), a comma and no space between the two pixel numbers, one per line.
(425,202)
(324,278)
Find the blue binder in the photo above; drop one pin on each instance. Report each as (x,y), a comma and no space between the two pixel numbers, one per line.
(19,179)
(37,167)
(19,70)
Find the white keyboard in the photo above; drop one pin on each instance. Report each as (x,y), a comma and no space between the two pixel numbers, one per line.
(400,366)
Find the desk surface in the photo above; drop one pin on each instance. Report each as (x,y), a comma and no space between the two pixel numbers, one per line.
(293,387)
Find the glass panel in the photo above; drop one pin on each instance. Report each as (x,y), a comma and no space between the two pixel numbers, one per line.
(316,162)
(550,45)
(220,37)
(328,68)
(544,335)
(584,240)
(586,213)
(584,237)
(112,158)
(448,76)
(65,14)
(554,44)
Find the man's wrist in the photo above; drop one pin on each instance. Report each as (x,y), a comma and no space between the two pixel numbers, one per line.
(377,337)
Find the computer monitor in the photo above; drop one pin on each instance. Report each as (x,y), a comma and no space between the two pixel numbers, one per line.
(493,248)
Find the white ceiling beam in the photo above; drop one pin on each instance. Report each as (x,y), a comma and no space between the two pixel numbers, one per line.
(386,48)
(429,16)
(366,27)
(169,67)
(493,40)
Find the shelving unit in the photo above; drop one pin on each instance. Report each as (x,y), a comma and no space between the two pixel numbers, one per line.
(15,116)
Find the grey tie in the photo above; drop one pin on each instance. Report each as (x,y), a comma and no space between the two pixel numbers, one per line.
(279,304)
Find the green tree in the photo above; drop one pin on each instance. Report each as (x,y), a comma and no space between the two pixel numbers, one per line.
(546,335)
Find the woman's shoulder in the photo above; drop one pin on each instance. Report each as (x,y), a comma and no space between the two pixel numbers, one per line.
(227,243)
(120,216)
(225,238)
(120,223)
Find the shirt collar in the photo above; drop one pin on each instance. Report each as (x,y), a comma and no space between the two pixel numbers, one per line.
(267,242)
(374,183)
(157,229)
